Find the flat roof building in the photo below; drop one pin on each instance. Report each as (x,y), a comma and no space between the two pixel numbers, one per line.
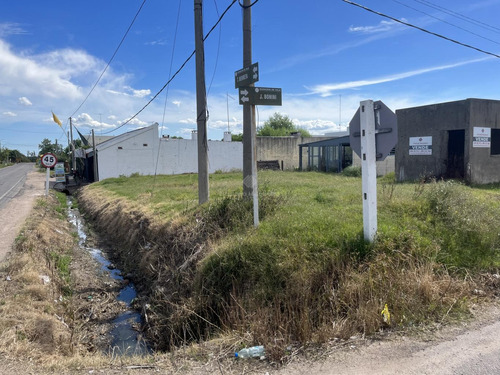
(459,139)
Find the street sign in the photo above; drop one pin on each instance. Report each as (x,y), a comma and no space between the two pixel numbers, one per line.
(260,95)
(48,160)
(246,76)
(386,131)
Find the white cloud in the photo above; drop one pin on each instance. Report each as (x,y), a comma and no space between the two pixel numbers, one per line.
(188,121)
(85,120)
(25,101)
(11,28)
(129,91)
(10,114)
(23,74)
(327,89)
(140,93)
(383,26)
(159,42)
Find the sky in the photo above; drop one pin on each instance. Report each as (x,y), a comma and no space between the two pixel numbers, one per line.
(325,55)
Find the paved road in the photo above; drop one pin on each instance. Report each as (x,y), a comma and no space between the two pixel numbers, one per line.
(12,180)
(20,185)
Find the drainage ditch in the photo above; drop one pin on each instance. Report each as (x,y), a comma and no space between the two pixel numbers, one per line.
(124,337)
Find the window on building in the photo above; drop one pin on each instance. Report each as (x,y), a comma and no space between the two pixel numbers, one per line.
(495,142)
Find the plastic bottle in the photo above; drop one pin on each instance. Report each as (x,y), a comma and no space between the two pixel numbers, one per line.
(252,352)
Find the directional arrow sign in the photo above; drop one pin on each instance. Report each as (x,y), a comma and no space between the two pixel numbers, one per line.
(260,95)
(246,76)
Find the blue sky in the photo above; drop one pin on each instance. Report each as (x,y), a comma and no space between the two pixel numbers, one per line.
(326,55)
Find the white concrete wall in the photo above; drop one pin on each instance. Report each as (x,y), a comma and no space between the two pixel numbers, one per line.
(137,152)
(181,156)
(383,167)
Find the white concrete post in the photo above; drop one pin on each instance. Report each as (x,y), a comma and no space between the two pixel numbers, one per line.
(369,169)
(47,176)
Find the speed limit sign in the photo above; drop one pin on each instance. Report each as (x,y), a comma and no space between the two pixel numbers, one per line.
(49,160)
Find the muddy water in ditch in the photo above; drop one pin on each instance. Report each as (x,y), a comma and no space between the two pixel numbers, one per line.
(124,338)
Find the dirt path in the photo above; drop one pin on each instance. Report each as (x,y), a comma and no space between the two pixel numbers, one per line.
(14,213)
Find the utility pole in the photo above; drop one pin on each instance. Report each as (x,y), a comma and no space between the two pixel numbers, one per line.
(201,104)
(96,173)
(73,159)
(249,132)
(369,169)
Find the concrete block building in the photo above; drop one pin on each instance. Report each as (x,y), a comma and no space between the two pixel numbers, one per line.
(459,139)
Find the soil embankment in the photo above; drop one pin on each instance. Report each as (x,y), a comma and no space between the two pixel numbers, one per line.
(160,258)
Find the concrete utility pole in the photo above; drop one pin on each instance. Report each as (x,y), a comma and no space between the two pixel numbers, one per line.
(201,104)
(96,175)
(249,132)
(73,158)
(369,169)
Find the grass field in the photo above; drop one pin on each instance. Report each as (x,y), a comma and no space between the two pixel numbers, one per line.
(306,274)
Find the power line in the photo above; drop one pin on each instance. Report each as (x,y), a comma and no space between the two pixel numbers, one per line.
(111,59)
(444,21)
(459,15)
(177,72)
(421,29)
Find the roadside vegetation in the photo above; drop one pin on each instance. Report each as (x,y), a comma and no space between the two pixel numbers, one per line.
(35,285)
(305,275)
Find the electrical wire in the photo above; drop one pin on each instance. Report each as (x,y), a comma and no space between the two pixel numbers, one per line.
(421,29)
(111,59)
(459,15)
(166,96)
(446,22)
(176,73)
(247,6)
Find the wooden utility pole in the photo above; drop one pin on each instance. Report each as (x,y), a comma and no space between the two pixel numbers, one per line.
(249,132)
(201,104)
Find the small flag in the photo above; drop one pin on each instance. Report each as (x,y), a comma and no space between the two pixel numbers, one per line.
(56,120)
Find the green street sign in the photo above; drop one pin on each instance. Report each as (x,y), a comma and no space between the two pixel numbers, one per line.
(246,76)
(260,95)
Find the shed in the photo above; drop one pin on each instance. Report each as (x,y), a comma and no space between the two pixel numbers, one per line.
(459,139)
(329,155)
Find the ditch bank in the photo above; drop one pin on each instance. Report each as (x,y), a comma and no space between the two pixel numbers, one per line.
(160,259)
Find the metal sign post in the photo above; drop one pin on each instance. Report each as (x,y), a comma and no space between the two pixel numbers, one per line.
(369,169)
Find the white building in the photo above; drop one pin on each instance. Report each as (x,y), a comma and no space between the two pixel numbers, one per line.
(142,151)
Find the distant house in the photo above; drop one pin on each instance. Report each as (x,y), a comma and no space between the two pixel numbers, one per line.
(459,139)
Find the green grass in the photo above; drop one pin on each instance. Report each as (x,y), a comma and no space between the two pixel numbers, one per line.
(306,272)
(324,211)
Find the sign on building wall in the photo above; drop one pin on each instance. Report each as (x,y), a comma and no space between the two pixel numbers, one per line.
(481,137)
(420,145)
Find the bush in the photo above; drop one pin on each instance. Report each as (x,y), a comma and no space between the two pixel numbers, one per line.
(352,171)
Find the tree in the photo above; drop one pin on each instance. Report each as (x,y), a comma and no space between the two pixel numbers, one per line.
(279,125)
(237,137)
(55,148)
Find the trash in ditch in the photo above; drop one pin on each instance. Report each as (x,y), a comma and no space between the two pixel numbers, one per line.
(252,352)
